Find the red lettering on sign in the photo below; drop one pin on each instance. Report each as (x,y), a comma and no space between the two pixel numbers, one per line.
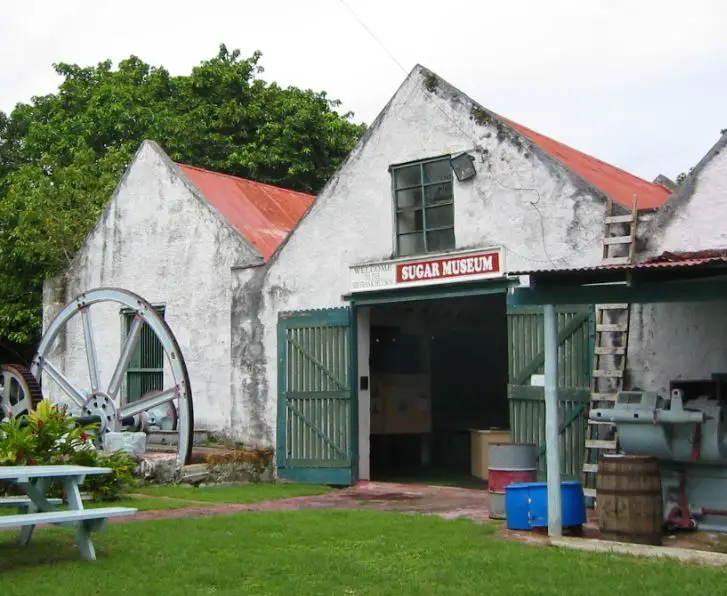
(442,268)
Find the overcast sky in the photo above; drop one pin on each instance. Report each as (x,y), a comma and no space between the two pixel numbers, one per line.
(641,84)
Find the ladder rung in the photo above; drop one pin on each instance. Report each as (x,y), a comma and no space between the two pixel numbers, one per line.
(614,219)
(612,328)
(613,397)
(617,240)
(590,468)
(608,374)
(610,351)
(589,492)
(599,444)
(613,306)
(615,261)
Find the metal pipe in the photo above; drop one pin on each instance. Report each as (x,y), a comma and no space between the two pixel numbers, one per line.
(84,420)
(552,447)
(79,421)
(647,416)
(709,511)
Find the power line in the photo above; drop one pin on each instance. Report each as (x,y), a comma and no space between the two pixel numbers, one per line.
(468,135)
(376,39)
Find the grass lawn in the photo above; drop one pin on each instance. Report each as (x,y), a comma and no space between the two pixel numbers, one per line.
(178,496)
(327,552)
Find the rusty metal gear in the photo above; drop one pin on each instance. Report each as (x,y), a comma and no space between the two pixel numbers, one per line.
(19,391)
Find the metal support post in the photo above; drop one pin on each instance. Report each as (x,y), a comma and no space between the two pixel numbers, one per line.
(552,448)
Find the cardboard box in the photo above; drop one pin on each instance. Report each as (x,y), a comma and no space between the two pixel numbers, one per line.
(480,443)
(405,401)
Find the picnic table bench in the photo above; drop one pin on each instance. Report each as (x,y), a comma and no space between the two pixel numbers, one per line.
(36,508)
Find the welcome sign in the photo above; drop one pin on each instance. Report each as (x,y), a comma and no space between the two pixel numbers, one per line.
(453,267)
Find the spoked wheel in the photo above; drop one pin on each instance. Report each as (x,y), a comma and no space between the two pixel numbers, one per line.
(169,408)
(19,391)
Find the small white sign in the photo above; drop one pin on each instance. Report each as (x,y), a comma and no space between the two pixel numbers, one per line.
(377,276)
(537,380)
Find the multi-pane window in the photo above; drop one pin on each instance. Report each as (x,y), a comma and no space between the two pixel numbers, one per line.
(145,372)
(424,204)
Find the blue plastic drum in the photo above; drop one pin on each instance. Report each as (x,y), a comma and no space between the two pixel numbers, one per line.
(526,505)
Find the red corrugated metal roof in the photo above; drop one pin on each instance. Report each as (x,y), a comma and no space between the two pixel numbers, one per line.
(664,261)
(262,213)
(614,182)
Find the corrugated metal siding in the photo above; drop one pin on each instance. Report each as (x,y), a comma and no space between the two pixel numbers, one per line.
(527,404)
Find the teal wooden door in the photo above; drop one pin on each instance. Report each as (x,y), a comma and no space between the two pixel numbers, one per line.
(316,438)
(527,401)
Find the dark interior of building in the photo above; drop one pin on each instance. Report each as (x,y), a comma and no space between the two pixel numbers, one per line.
(438,369)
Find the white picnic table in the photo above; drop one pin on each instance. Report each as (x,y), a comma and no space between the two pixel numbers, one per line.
(36,508)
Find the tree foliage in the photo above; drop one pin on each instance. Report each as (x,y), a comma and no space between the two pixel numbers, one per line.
(62,154)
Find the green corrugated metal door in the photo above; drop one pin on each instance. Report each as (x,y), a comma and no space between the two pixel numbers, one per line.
(316,440)
(527,400)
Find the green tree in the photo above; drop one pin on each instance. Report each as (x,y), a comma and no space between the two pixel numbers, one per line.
(62,154)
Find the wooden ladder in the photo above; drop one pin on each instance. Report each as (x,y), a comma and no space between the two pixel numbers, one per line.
(611,346)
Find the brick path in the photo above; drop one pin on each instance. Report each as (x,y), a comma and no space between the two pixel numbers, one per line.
(446,502)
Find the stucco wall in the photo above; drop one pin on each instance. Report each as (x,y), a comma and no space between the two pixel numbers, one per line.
(697,222)
(676,341)
(520,199)
(161,240)
(684,340)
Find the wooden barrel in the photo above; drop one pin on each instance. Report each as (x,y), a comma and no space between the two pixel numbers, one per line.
(628,499)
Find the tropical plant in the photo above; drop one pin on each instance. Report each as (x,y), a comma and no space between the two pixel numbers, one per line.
(48,435)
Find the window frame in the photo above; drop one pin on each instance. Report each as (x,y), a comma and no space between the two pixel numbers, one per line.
(126,316)
(422,185)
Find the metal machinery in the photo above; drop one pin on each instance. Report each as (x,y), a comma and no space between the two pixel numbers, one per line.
(167,412)
(686,433)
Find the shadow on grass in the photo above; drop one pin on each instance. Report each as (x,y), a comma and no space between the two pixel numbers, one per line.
(48,547)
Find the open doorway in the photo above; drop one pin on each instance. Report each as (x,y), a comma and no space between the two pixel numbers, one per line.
(438,370)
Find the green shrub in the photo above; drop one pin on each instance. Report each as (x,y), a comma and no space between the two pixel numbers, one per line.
(49,436)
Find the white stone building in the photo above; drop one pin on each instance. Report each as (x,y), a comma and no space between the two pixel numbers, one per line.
(320,377)
(176,235)
(380,326)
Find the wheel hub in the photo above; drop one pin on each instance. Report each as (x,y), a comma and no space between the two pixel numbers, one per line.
(162,417)
(103,406)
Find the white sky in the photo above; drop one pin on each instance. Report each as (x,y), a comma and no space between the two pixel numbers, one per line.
(641,84)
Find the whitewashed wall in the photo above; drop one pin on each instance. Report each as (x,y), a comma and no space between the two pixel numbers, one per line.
(685,340)
(520,199)
(160,239)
